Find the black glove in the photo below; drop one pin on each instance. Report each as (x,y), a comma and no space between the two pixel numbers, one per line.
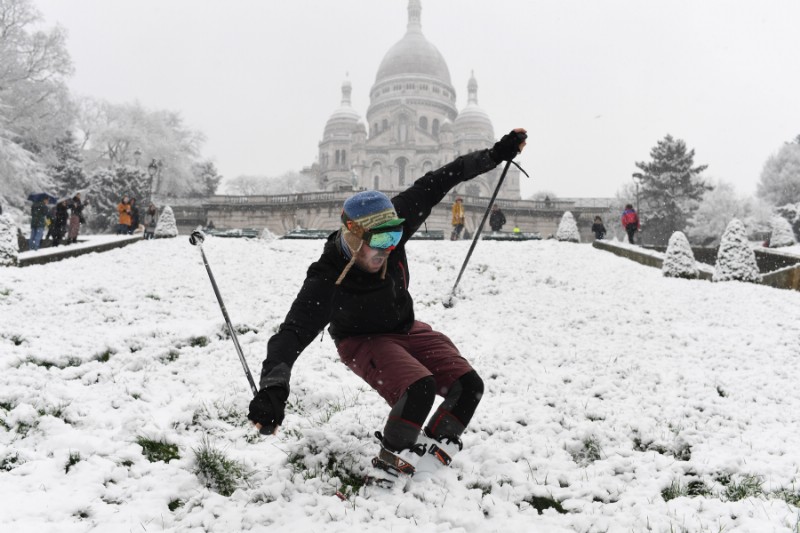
(267,407)
(508,147)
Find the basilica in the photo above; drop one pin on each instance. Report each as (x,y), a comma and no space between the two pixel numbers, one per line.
(412,125)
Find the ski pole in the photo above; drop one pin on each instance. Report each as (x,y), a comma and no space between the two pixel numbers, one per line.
(449,302)
(196,239)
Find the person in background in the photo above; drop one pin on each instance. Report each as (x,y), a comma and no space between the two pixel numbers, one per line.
(360,286)
(496,219)
(630,221)
(150,222)
(75,218)
(598,229)
(458,219)
(124,210)
(60,222)
(134,224)
(38,221)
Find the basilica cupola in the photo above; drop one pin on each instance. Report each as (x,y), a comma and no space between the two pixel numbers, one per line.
(473,128)
(345,118)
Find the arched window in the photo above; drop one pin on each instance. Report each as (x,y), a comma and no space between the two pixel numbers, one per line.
(427,166)
(401,163)
(423,123)
(343,157)
(402,129)
(375,129)
(435,127)
(337,157)
(377,182)
(384,125)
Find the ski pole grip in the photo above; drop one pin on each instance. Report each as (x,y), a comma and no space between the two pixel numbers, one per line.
(197,237)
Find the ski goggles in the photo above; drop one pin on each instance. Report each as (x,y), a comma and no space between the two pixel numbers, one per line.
(386,236)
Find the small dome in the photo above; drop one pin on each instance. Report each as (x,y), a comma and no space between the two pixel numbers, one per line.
(473,120)
(345,117)
(413,54)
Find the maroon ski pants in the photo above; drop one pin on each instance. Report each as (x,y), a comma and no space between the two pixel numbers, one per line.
(391,362)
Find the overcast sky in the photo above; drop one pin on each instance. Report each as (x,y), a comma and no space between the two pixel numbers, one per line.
(596,83)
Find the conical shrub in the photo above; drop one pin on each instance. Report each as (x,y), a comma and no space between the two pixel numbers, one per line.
(679,260)
(166,226)
(568,229)
(9,248)
(736,261)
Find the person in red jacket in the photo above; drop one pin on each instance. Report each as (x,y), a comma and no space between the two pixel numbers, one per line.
(630,221)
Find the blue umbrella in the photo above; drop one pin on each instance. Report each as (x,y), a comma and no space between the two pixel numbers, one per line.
(39,196)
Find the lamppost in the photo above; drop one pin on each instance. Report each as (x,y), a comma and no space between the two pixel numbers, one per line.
(152,169)
(136,156)
(637,179)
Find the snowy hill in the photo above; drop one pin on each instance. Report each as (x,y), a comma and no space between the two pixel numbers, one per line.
(616,399)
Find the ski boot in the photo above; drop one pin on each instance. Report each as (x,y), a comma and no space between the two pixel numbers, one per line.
(389,466)
(439,454)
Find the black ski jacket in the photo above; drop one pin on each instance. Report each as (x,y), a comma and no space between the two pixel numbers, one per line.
(363,303)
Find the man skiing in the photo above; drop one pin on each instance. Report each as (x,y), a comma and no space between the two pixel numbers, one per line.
(372,322)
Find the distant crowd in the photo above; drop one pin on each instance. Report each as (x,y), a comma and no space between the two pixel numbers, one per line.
(130,220)
(59,221)
(62,221)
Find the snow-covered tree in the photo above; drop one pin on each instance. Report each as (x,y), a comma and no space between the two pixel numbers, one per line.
(780,177)
(717,207)
(9,248)
(123,134)
(671,187)
(679,260)
(287,183)
(207,174)
(68,172)
(107,189)
(166,227)
(791,212)
(34,66)
(782,234)
(568,229)
(736,261)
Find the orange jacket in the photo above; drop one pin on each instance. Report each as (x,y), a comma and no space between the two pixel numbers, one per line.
(124,213)
(458,213)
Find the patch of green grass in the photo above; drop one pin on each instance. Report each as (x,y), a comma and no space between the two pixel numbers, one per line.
(484,487)
(790,496)
(675,490)
(17,340)
(218,472)
(47,365)
(74,458)
(104,356)
(198,342)
(158,450)
(57,411)
(153,296)
(697,487)
(747,486)
(171,356)
(5,292)
(174,504)
(9,462)
(82,514)
(589,453)
(6,406)
(540,503)
(721,392)
(23,428)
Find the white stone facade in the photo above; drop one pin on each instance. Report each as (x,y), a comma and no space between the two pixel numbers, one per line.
(412,125)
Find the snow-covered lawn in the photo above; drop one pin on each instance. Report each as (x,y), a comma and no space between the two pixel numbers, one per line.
(616,400)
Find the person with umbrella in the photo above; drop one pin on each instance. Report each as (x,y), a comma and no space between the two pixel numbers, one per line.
(38,218)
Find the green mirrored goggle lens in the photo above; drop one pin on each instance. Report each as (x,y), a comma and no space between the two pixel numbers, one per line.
(385,239)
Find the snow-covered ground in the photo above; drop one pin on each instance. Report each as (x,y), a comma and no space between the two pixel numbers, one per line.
(616,400)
